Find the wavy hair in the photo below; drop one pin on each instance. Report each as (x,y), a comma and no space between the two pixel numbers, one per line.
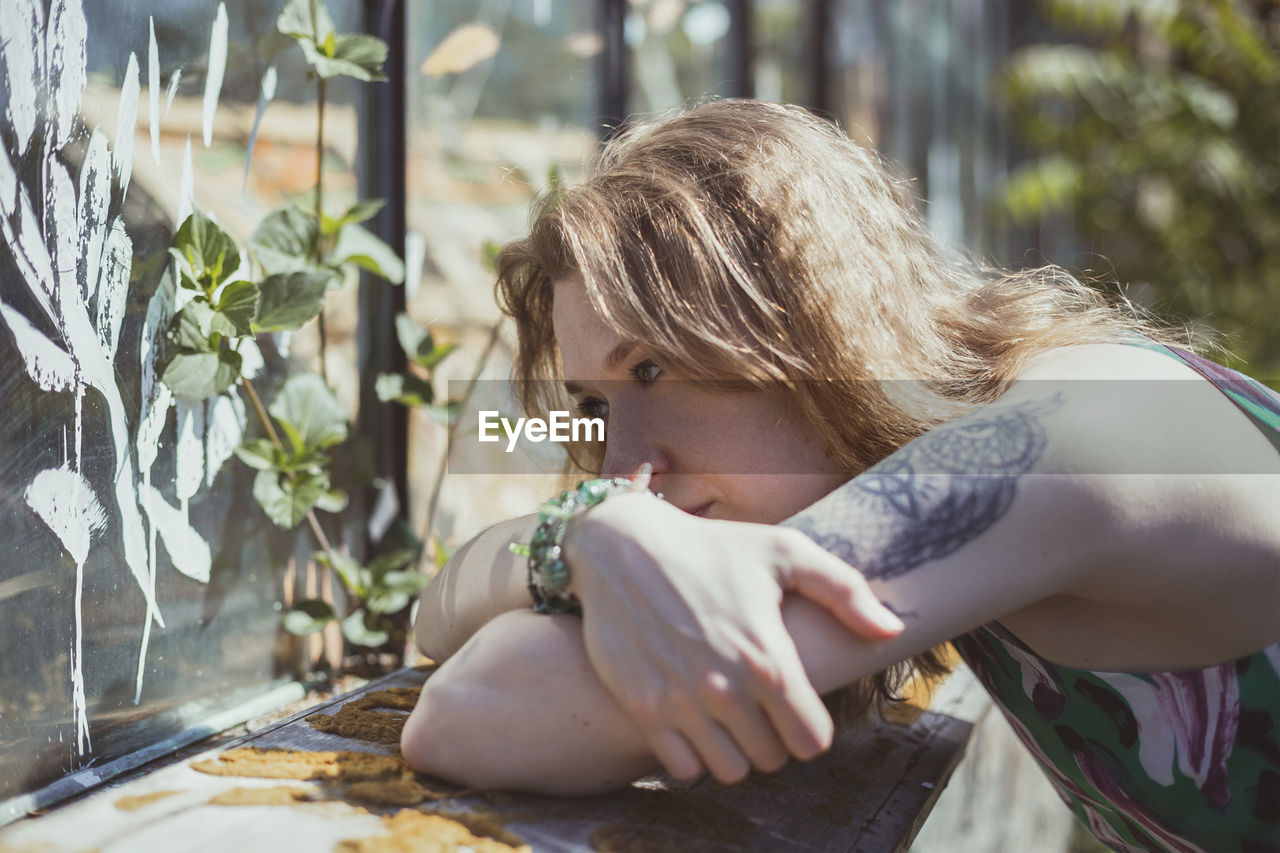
(752,242)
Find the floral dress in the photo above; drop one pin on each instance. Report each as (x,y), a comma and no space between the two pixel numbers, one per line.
(1156,760)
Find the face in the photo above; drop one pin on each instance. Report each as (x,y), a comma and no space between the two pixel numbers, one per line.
(703,445)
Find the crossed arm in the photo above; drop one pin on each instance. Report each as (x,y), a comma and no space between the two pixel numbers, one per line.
(562,705)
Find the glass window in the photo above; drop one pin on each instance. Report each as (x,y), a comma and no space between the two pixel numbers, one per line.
(501,96)
(677,52)
(140,592)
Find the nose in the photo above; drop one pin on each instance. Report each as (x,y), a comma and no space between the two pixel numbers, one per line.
(629,443)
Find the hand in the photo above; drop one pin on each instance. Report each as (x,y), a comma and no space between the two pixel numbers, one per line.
(682,623)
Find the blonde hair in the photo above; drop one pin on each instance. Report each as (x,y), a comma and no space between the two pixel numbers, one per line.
(751,242)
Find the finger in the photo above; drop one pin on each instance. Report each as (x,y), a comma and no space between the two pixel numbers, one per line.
(673,752)
(717,750)
(740,715)
(787,699)
(840,588)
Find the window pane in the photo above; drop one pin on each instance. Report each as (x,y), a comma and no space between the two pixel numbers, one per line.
(501,95)
(141,589)
(677,52)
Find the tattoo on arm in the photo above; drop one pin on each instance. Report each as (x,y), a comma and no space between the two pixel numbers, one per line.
(933,495)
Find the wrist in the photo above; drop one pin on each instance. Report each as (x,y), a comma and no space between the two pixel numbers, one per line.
(549,573)
(593,538)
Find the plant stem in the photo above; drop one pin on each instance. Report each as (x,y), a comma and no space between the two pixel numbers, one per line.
(434,503)
(265,420)
(320,235)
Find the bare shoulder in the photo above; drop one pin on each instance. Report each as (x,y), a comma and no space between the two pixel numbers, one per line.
(1135,410)
(1191,487)
(1104,362)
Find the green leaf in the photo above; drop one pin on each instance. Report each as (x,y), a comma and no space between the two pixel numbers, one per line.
(357,55)
(489,253)
(302,459)
(334,500)
(442,553)
(294,438)
(347,569)
(287,500)
(387,601)
(405,389)
(392,561)
(192,329)
(296,20)
(437,355)
(446,414)
(358,212)
(308,616)
(200,375)
(307,405)
(289,300)
(285,241)
(261,454)
(359,246)
(360,634)
(204,251)
(238,303)
(404,581)
(415,340)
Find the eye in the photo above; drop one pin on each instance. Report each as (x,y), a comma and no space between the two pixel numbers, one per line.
(645,372)
(593,407)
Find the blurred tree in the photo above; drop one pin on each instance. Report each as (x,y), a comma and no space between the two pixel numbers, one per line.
(1160,136)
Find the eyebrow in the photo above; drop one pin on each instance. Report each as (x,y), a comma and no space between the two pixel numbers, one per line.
(616,356)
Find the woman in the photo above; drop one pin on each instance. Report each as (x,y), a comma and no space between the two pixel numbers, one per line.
(837,414)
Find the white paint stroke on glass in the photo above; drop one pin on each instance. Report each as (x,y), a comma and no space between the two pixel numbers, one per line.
(66,60)
(189,454)
(186,189)
(217,67)
(153,90)
(75,258)
(67,505)
(170,93)
(252,362)
(156,400)
(95,195)
(61,231)
(126,123)
(266,94)
(24,60)
(113,287)
(187,549)
(69,257)
(224,432)
(49,365)
(22,232)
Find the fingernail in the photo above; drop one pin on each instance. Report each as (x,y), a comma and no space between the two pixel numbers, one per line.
(889,620)
(640,480)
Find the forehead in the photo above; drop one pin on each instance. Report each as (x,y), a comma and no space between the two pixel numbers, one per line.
(588,347)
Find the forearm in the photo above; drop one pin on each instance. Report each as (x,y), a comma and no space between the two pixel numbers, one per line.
(520,708)
(481,581)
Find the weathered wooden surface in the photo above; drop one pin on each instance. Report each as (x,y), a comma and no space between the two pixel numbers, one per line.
(871,792)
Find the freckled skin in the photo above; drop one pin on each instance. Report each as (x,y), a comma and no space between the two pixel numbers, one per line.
(774,465)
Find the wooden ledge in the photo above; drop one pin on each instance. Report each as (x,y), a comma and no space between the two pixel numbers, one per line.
(870,792)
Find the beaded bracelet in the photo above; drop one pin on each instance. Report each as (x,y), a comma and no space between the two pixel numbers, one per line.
(548,573)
